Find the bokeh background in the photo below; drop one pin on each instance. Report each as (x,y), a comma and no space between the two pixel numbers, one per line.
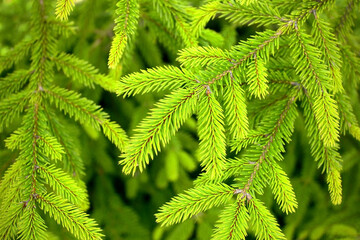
(124,206)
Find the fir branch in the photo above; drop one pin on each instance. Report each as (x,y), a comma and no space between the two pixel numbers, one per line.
(235,110)
(10,177)
(63,28)
(126,25)
(304,10)
(233,222)
(256,77)
(74,220)
(263,222)
(192,202)
(62,184)
(81,109)
(202,56)
(351,68)
(63,8)
(176,18)
(85,111)
(71,160)
(344,25)
(232,168)
(81,71)
(51,147)
(327,42)
(157,128)
(310,68)
(326,156)
(253,137)
(282,189)
(261,45)
(16,54)
(12,107)
(211,130)
(9,221)
(334,182)
(164,34)
(31,224)
(264,155)
(43,47)
(348,120)
(13,82)
(261,13)
(203,15)
(153,80)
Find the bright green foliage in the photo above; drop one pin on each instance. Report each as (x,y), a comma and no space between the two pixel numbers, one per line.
(158,128)
(263,222)
(74,220)
(157,79)
(252,125)
(233,222)
(86,112)
(193,202)
(235,110)
(63,8)
(256,77)
(326,41)
(259,128)
(211,133)
(126,25)
(310,67)
(46,172)
(175,16)
(15,55)
(82,72)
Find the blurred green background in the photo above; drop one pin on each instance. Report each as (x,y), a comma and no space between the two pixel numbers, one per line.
(124,206)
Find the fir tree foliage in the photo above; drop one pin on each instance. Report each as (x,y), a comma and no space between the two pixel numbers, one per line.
(244,102)
(126,25)
(46,174)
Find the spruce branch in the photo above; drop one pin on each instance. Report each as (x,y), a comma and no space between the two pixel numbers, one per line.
(176,18)
(63,8)
(344,25)
(154,79)
(256,77)
(233,222)
(71,160)
(9,220)
(86,112)
(12,107)
(328,44)
(202,56)
(263,221)
(235,110)
(126,26)
(16,54)
(192,202)
(31,224)
(74,220)
(157,129)
(14,82)
(327,157)
(51,147)
(62,184)
(310,68)
(211,131)
(82,72)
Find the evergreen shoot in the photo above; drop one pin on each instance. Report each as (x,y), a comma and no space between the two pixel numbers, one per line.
(253,109)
